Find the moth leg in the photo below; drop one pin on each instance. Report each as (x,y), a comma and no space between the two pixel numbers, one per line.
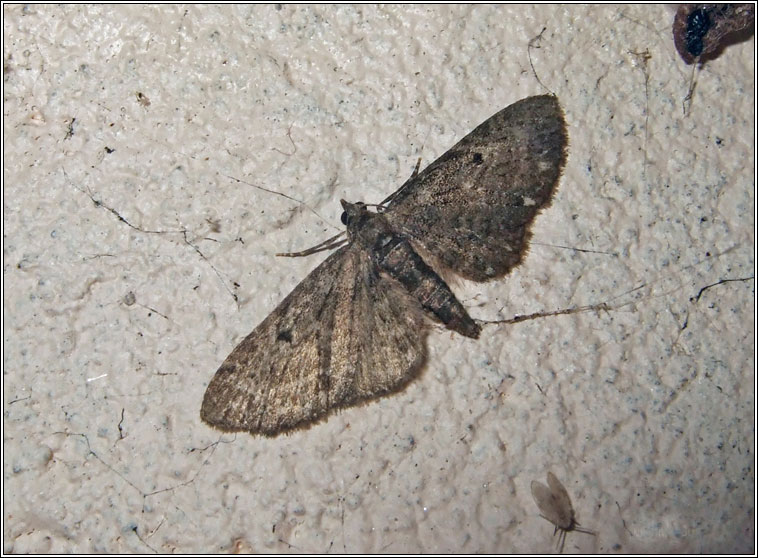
(414,174)
(328,244)
(415,170)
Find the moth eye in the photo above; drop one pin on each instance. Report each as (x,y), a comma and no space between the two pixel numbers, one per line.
(343,218)
(285,335)
(478,159)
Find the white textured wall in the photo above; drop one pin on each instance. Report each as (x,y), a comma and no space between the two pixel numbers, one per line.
(644,412)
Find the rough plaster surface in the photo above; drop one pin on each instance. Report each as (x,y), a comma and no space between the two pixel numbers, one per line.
(645,412)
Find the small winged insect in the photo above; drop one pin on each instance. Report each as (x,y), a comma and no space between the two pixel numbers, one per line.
(355,328)
(555,506)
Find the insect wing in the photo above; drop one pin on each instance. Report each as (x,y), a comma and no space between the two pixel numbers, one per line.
(562,499)
(545,501)
(343,335)
(471,208)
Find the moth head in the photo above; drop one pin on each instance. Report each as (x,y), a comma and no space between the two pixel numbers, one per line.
(352,212)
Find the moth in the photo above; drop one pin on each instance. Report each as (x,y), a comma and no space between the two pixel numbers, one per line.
(555,506)
(355,329)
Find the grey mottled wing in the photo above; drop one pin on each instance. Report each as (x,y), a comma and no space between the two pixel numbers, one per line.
(472,207)
(345,334)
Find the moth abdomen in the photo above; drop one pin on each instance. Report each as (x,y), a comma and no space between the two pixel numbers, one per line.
(399,260)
